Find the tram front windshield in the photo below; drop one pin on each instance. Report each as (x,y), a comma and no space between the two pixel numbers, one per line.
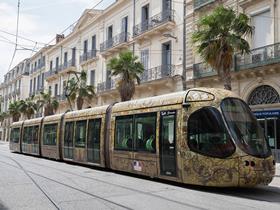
(245,128)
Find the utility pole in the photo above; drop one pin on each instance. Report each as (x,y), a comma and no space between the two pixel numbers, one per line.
(184,46)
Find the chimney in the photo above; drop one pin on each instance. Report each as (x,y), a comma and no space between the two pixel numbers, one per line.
(59,37)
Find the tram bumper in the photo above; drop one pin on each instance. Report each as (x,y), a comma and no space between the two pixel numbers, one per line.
(256,171)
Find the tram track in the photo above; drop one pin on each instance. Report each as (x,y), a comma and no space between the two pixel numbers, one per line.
(109,183)
(28,172)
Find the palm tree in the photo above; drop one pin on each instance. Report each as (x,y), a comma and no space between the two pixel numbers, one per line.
(3,116)
(79,90)
(129,69)
(28,107)
(219,35)
(15,110)
(49,103)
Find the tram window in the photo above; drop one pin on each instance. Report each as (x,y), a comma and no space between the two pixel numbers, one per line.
(145,132)
(124,133)
(93,144)
(26,134)
(15,135)
(35,134)
(207,134)
(50,134)
(69,133)
(80,134)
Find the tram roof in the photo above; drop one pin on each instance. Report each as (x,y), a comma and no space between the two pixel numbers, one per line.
(17,124)
(52,118)
(193,94)
(86,112)
(34,121)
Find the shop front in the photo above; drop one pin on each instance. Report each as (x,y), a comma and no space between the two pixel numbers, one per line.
(270,121)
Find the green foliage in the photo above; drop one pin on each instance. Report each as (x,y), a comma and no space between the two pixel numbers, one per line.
(29,107)
(219,35)
(129,69)
(49,103)
(15,110)
(79,90)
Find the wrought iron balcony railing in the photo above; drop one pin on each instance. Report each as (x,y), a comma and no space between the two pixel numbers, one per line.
(197,4)
(68,64)
(201,70)
(116,40)
(153,22)
(105,86)
(88,55)
(158,72)
(258,57)
(50,73)
(262,56)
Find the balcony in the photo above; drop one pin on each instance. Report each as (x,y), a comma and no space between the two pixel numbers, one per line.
(201,70)
(158,23)
(157,73)
(197,4)
(67,66)
(106,86)
(88,56)
(258,57)
(115,44)
(51,74)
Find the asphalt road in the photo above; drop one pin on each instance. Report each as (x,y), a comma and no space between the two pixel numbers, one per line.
(28,182)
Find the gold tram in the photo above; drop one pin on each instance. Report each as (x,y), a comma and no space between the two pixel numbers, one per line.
(202,136)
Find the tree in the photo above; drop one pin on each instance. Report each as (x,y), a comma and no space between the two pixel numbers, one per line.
(219,35)
(49,103)
(15,110)
(79,90)
(128,68)
(28,107)
(3,116)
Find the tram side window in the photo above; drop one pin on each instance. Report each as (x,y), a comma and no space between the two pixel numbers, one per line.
(27,135)
(15,135)
(80,134)
(94,133)
(35,134)
(145,132)
(207,134)
(69,134)
(124,133)
(50,134)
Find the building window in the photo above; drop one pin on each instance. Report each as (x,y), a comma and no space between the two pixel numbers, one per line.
(51,65)
(109,32)
(74,56)
(145,17)
(264,94)
(56,63)
(85,46)
(65,58)
(92,77)
(56,90)
(50,134)
(50,90)
(263,25)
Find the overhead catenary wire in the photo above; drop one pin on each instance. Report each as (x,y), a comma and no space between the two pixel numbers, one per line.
(15,50)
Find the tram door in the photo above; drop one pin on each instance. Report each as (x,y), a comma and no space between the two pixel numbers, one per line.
(168,143)
(93,143)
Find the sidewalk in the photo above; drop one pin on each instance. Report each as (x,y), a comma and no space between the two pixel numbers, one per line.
(276,180)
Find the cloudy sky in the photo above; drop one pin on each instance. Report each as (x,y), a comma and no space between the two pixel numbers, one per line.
(39,20)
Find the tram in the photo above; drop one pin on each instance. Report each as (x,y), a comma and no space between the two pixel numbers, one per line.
(201,136)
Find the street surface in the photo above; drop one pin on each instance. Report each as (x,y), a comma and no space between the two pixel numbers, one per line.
(28,182)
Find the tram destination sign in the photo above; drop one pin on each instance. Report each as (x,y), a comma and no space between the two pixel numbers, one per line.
(269,113)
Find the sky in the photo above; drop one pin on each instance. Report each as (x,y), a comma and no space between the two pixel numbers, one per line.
(39,21)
